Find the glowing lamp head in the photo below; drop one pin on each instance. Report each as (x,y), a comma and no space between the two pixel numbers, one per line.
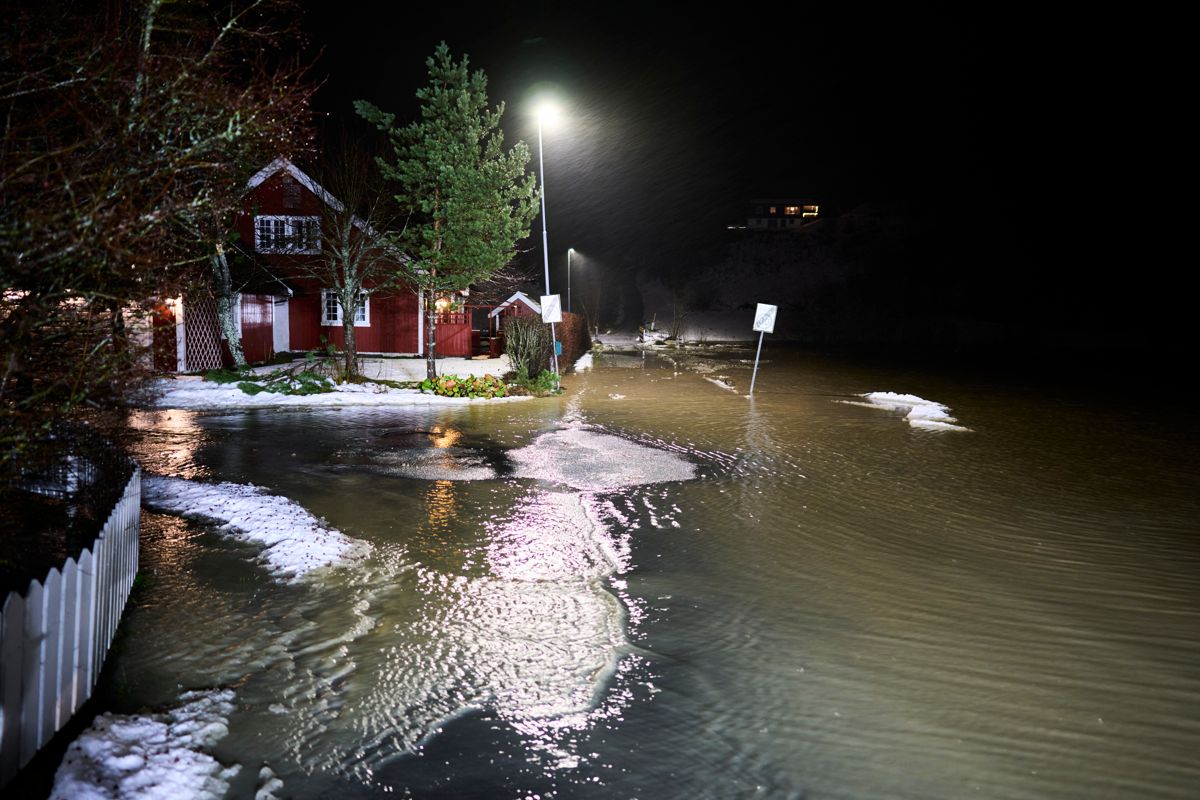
(547,113)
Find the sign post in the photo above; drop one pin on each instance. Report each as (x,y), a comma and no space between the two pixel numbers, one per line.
(552,313)
(764,322)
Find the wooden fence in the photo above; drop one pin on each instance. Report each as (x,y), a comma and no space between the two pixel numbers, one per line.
(54,638)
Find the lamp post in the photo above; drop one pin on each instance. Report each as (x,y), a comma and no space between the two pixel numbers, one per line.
(546,113)
(570,250)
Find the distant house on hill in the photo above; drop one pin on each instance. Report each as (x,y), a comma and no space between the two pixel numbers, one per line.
(781,214)
(282,310)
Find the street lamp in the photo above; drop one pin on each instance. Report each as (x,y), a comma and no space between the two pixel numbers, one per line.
(546,113)
(570,250)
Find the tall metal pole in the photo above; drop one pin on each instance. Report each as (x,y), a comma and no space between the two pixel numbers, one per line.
(570,250)
(754,374)
(545,246)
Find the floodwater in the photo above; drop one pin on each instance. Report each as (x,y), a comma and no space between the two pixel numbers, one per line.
(791,596)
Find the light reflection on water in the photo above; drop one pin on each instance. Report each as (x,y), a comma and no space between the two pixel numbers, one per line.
(838,605)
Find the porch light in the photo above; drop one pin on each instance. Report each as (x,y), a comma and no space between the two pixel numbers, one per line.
(442,304)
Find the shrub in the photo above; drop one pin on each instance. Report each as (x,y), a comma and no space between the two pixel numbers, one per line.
(282,381)
(575,338)
(223,375)
(527,342)
(545,383)
(488,386)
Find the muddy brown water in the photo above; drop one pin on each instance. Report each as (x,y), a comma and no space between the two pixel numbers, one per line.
(836,605)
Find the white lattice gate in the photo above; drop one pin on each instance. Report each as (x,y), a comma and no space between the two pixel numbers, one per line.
(202,334)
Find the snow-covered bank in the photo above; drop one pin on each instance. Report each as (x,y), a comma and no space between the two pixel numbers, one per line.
(156,756)
(199,394)
(583,363)
(922,413)
(294,541)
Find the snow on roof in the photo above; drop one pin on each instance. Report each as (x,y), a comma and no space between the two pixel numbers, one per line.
(518,297)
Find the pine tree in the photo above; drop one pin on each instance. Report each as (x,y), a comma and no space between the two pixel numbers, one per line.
(467,200)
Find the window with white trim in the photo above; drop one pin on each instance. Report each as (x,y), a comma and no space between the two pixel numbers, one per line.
(285,234)
(331,310)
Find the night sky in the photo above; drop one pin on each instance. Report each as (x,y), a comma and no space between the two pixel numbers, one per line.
(1012,132)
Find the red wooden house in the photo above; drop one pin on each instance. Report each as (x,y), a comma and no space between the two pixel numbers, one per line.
(282,310)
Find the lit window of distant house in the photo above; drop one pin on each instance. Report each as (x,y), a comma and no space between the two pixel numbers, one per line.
(331,310)
(281,234)
(809,211)
(774,210)
(791,211)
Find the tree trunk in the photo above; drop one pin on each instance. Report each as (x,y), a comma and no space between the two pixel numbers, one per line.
(431,356)
(226,308)
(350,347)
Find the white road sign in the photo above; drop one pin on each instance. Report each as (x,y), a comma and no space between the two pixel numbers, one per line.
(551,308)
(764,318)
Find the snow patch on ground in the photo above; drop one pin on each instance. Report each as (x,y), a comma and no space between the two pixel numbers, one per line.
(200,394)
(592,461)
(922,413)
(294,541)
(150,757)
(584,363)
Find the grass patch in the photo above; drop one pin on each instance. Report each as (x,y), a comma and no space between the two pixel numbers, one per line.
(293,381)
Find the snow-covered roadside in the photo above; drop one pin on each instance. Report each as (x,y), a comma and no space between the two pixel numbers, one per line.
(150,756)
(583,363)
(922,413)
(294,541)
(199,394)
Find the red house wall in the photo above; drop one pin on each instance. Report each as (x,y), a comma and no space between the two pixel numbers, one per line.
(393,318)
(393,327)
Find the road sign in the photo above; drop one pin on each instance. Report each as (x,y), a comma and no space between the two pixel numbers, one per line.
(551,308)
(764,318)
(764,322)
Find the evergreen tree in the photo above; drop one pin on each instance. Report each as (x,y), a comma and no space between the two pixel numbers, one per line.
(467,200)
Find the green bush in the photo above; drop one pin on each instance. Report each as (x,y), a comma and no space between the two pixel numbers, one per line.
(282,381)
(453,386)
(227,375)
(545,383)
(527,343)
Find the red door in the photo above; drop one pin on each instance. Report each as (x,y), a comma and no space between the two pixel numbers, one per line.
(453,335)
(256,328)
(163,325)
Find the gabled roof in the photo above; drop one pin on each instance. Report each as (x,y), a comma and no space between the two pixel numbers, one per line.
(519,297)
(281,164)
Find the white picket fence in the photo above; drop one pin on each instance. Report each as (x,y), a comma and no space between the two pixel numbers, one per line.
(53,640)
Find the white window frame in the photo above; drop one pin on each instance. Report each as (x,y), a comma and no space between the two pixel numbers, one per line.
(365,322)
(293,230)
